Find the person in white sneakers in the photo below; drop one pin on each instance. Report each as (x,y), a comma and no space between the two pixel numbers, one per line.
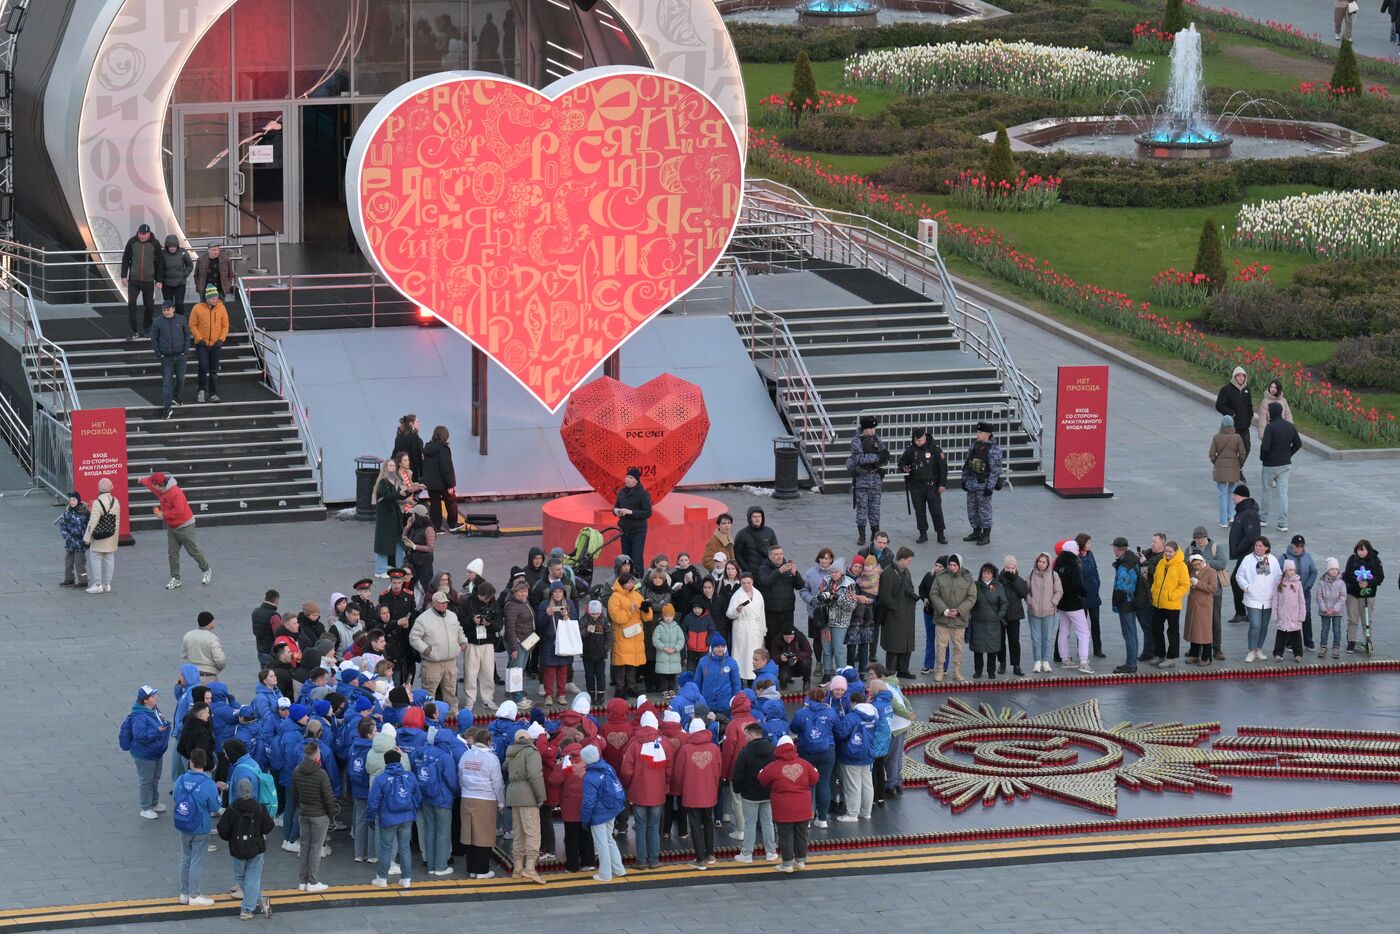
(174,510)
(104,521)
(1258,576)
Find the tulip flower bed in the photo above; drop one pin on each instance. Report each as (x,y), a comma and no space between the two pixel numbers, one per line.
(1331,225)
(1147,37)
(778,110)
(1023,69)
(1172,288)
(984,247)
(976,191)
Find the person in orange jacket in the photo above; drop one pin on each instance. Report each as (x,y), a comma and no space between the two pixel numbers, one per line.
(209,328)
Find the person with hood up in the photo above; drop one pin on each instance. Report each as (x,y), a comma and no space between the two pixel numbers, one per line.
(179,521)
(1171,582)
(104,515)
(394,799)
(669,641)
(483,795)
(1279,441)
(953,594)
(174,268)
(732,742)
(1200,611)
(790,781)
(1235,401)
(603,799)
(525,793)
(1227,453)
(1245,530)
(749,628)
(146,735)
(855,750)
(633,509)
(1264,414)
(245,825)
(196,800)
(1290,607)
(717,676)
(754,807)
(698,775)
(1258,577)
(814,725)
(72,526)
(564,773)
(1331,594)
(628,613)
(987,627)
(754,541)
(1073,617)
(697,627)
(646,773)
(184,692)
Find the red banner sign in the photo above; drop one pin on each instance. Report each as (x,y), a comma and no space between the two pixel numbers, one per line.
(1081,430)
(99,450)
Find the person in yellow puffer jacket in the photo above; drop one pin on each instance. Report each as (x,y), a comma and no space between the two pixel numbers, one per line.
(209,328)
(628,611)
(1170,584)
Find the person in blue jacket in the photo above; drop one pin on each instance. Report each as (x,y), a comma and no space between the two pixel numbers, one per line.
(855,750)
(223,712)
(504,727)
(285,755)
(814,725)
(435,767)
(687,697)
(146,734)
(247,731)
(185,698)
(717,675)
(244,764)
(603,799)
(360,709)
(357,771)
(196,802)
(774,717)
(883,702)
(767,669)
(394,799)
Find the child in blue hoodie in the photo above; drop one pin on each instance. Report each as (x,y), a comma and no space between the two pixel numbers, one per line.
(394,799)
(357,769)
(855,750)
(814,725)
(146,734)
(196,802)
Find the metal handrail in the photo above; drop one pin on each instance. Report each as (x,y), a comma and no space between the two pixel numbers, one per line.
(955,427)
(46,363)
(12,426)
(797,394)
(291,286)
(42,270)
(874,245)
(276,237)
(279,376)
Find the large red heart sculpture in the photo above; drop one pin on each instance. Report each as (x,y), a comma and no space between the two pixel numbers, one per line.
(660,427)
(545,227)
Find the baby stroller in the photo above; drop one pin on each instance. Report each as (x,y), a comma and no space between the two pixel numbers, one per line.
(589,544)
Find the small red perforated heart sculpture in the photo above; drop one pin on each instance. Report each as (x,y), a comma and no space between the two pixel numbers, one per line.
(545,226)
(660,426)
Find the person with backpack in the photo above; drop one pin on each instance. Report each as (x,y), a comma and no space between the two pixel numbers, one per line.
(146,735)
(981,477)
(245,826)
(394,799)
(603,800)
(855,751)
(435,767)
(104,514)
(866,464)
(196,802)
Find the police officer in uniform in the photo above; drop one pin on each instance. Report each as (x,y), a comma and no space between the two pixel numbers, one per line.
(981,477)
(867,466)
(399,599)
(925,469)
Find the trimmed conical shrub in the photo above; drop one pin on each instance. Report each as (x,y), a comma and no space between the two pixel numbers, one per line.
(804,84)
(1345,74)
(1001,166)
(1174,18)
(1210,259)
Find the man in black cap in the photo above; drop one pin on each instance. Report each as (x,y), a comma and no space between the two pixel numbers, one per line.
(867,466)
(633,509)
(363,599)
(140,263)
(981,477)
(399,599)
(925,469)
(1244,532)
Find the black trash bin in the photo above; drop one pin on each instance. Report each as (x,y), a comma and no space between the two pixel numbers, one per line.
(785,452)
(366,472)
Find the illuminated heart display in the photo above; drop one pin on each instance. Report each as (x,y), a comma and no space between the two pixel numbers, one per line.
(659,426)
(545,227)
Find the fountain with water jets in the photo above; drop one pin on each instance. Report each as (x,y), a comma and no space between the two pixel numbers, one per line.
(1185,130)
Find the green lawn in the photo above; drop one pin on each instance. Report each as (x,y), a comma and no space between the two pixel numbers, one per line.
(761,80)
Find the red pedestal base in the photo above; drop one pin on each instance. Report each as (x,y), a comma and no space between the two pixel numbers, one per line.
(680,522)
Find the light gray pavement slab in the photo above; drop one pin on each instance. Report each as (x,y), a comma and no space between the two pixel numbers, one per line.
(1370,27)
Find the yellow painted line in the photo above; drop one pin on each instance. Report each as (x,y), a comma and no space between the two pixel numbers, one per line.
(998,851)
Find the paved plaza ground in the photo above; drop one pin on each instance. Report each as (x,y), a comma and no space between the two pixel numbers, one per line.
(68,826)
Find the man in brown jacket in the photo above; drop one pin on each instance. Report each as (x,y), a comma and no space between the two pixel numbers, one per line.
(316,804)
(519,626)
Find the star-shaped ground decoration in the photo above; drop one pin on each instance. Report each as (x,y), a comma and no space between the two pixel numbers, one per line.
(1007,754)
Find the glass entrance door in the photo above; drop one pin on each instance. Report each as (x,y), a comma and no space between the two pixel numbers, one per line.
(240,154)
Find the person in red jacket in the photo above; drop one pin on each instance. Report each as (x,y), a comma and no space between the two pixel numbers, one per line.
(577,717)
(697,772)
(740,716)
(790,780)
(175,511)
(673,737)
(615,733)
(565,776)
(646,774)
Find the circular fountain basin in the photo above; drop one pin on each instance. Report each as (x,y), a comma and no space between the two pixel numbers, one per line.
(1154,146)
(837,13)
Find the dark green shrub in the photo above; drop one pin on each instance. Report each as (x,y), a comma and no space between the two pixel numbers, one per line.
(1345,74)
(1001,167)
(803,95)
(1370,362)
(1210,259)
(1174,18)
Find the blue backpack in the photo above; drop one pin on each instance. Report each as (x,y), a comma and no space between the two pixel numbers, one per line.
(357,764)
(611,797)
(267,792)
(186,816)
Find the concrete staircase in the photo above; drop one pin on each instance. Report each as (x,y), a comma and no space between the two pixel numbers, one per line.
(238,460)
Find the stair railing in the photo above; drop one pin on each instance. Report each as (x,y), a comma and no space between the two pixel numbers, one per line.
(955,428)
(46,364)
(280,377)
(768,340)
(861,241)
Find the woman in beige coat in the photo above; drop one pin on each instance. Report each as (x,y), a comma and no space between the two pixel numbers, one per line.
(102,552)
(1274,393)
(1200,611)
(1227,454)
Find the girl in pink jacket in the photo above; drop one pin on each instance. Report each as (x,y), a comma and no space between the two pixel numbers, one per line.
(1290,607)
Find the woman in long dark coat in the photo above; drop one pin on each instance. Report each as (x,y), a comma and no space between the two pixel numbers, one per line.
(388,498)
